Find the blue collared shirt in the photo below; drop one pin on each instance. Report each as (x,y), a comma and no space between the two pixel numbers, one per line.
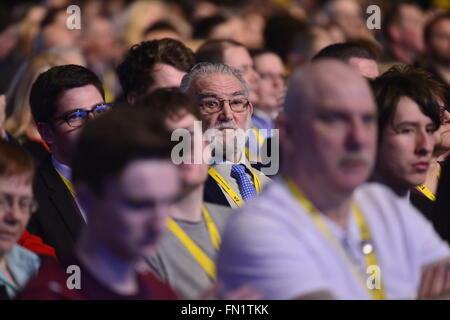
(23,264)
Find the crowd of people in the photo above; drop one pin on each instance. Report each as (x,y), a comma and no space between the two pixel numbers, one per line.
(213,149)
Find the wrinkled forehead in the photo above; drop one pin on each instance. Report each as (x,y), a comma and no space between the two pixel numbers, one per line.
(217,85)
(339,90)
(350,94)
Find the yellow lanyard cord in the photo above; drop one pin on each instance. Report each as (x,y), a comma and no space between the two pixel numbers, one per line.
(228,189)
(427,192)
(68,184)
(370,258)
(197,253)
(258,136)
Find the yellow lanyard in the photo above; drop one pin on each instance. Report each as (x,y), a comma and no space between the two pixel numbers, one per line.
(228,189)
(370,258)
(68,184)
(258,136)
(197,253)
(427,192)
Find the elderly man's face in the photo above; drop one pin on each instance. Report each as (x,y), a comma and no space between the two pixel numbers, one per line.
(222,87)
(335,138)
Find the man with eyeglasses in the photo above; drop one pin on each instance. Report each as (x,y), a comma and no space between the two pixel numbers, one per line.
(222,95)
(62,100)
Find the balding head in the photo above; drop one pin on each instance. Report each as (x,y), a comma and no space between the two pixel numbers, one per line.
(320,81)
(329,129)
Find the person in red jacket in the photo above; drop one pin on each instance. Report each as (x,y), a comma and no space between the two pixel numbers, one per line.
(125,182)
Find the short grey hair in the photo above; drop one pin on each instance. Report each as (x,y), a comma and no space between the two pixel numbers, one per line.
(205,68)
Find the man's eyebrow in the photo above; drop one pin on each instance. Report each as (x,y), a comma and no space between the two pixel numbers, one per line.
(207,95)
(239,93)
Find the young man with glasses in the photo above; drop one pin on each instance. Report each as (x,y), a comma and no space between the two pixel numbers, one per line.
(62,100)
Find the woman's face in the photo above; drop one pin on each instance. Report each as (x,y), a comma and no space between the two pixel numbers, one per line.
(16,198)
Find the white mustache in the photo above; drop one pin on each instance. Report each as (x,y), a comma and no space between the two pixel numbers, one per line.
(226,125)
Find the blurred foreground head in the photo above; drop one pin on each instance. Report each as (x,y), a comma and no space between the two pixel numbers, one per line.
(125,180)
(328,131)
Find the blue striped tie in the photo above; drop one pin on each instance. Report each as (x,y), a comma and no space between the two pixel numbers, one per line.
(245,185)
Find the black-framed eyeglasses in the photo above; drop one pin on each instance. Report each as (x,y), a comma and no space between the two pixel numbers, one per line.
(213,105)
(78,117)
(26,205)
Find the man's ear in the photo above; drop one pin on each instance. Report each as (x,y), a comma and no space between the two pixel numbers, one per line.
(250,108)
(46,132)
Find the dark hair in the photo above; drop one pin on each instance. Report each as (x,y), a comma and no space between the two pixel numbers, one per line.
(392,15)
(168,103)
(257,52)
(135,72)
(51,84)
(212,50)
(204,27)
(160,25)
(109,143)
(404,81)
(430,25)
(281,33)
(346,50)
(14,161)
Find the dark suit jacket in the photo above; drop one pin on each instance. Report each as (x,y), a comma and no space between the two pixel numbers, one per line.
(58,220)
(441,212)
(213,193)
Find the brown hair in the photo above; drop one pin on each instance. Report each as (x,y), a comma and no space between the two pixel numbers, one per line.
(14,161)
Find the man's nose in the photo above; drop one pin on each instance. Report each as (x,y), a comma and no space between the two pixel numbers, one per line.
(358,135)
(424,143)
(226,114)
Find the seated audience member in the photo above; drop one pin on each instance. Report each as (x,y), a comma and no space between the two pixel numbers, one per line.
(236,55)
(17,264)
(320,232)
(222,96)
(423,196)
(185,258)
(359,54)
(27,240)
(271,88)
(126,187)
(154,64)
(409,116)
(402,27)
(233,54)
(62,99)
(437,43)
(19,122)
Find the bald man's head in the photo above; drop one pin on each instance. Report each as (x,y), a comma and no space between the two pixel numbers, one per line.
(329,129)
(319,81)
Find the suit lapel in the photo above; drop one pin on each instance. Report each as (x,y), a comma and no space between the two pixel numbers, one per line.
(62,199)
